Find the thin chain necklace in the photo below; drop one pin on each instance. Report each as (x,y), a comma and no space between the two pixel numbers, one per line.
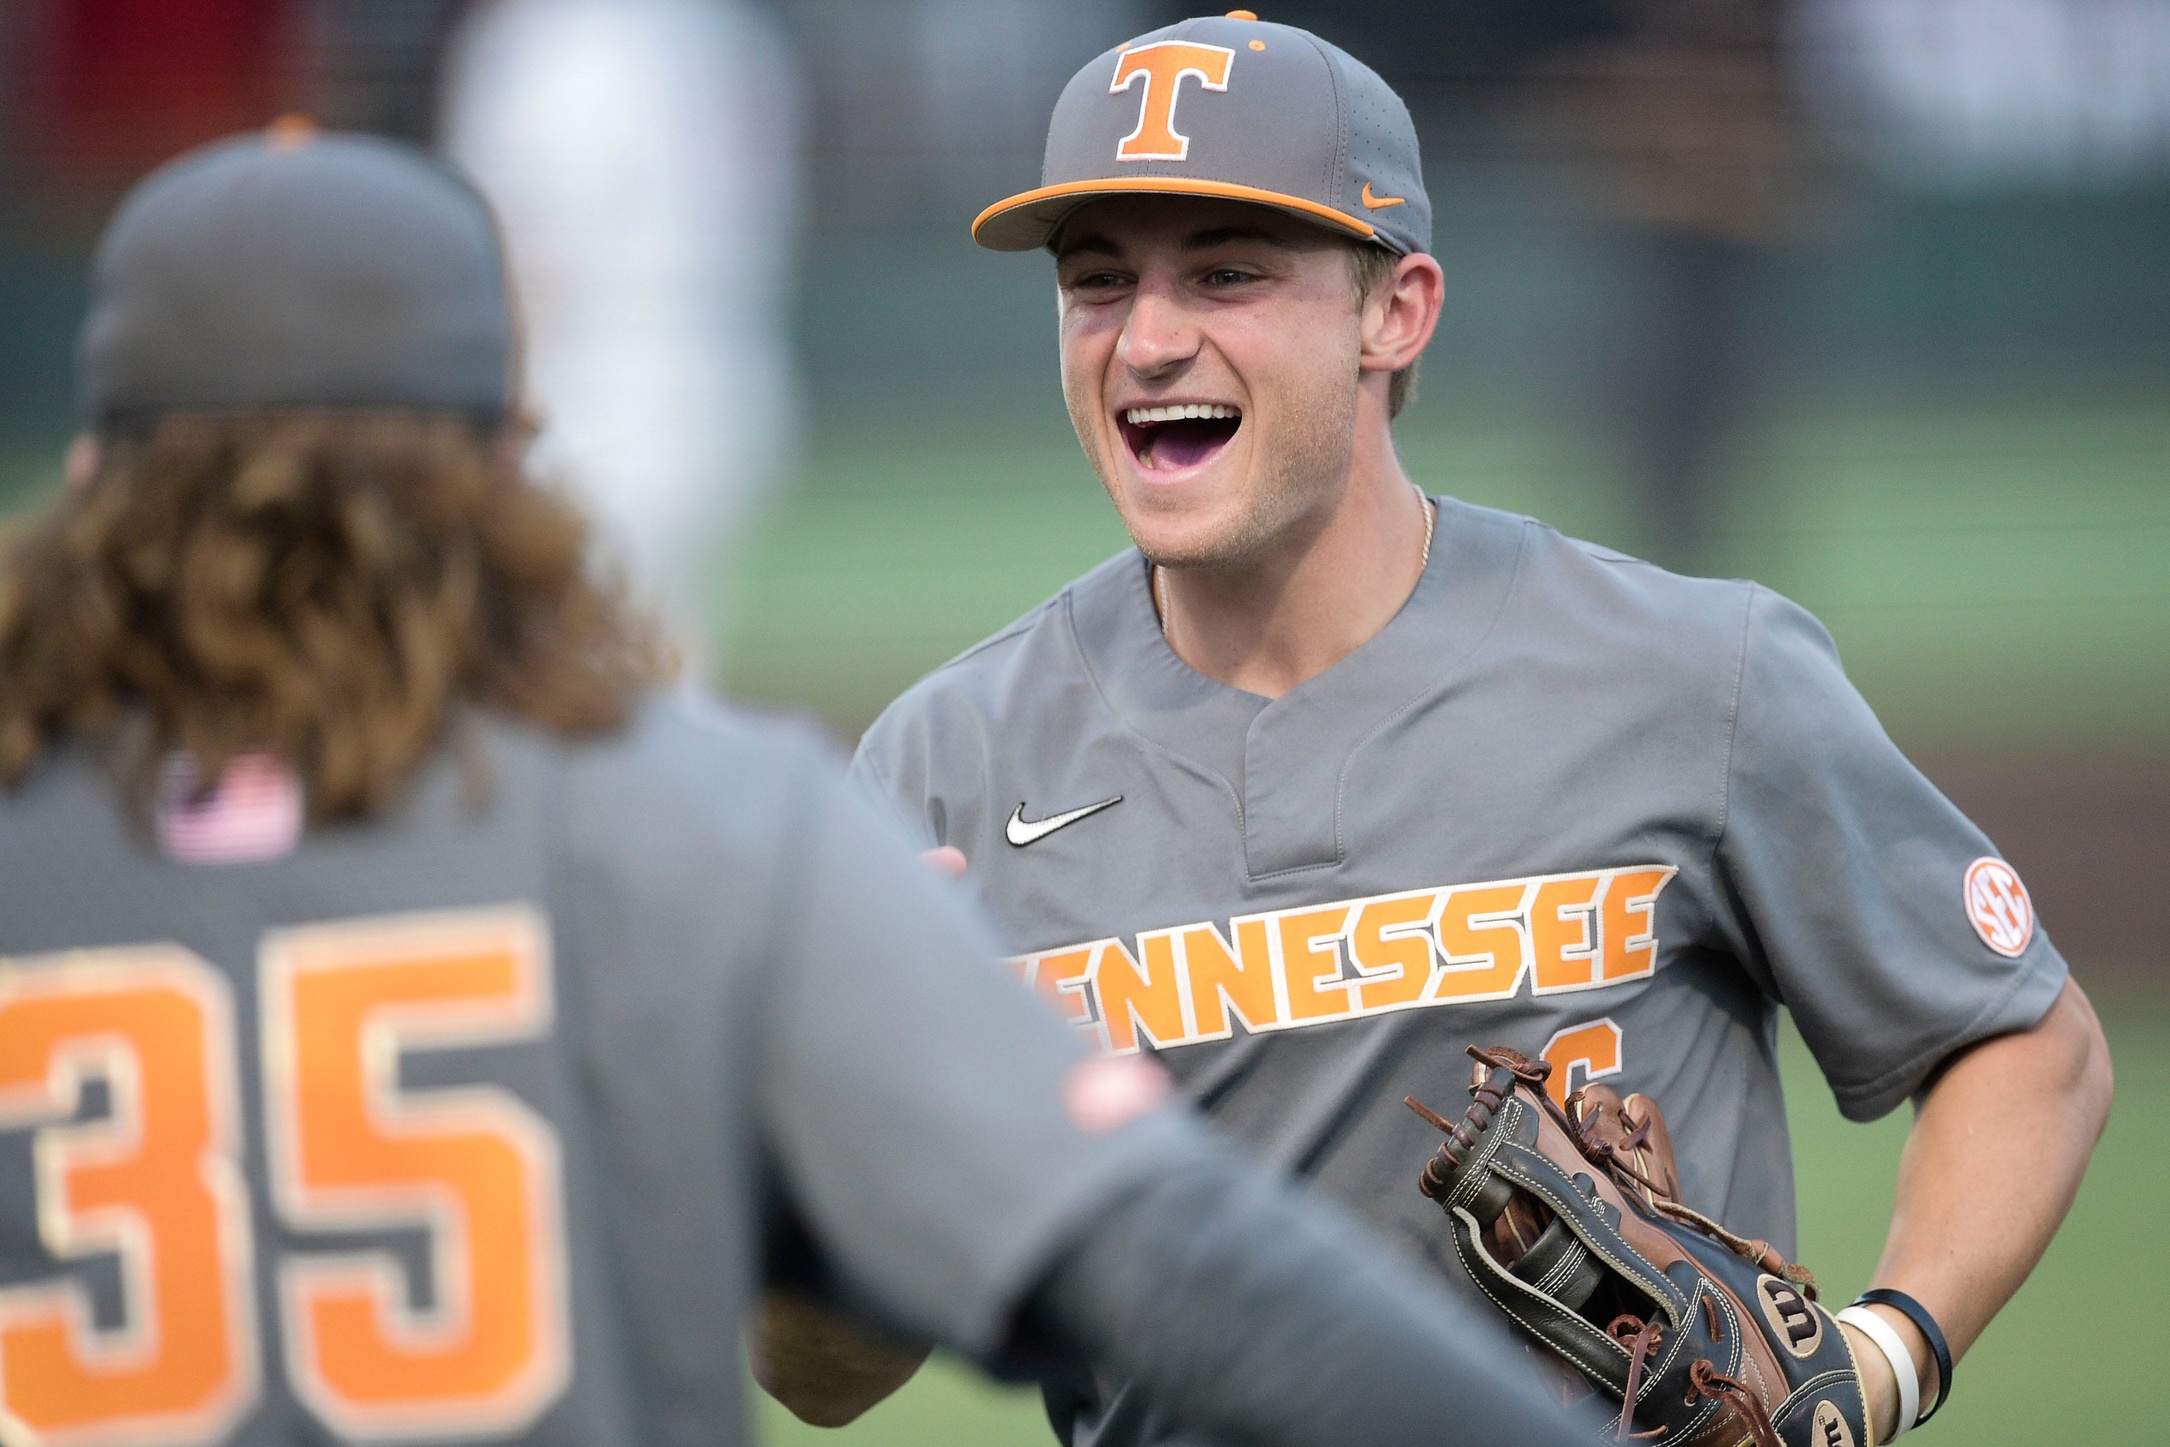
(1431,521)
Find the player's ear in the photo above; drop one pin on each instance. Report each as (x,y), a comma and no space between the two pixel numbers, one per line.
(81,465)
(1401,313)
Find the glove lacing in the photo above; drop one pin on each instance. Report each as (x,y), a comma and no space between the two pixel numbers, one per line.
(1705,1380)
(1618,1158)
(1640,1338)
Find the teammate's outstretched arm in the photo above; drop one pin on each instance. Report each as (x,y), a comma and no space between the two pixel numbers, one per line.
(1250,1313)
(967,1169)
(827,1371)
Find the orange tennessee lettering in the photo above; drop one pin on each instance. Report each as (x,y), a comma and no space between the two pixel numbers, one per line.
(1225,982)
(1595,1047)
(156,1181)
(1483,948)
(1563,932)
(1631,941)
(1389,946)
(352,1150)
(1304,964)
(1459,944)
(1060,979)
(1132,999)
(1162,66)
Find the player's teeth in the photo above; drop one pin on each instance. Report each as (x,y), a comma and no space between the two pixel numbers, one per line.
(1139,416)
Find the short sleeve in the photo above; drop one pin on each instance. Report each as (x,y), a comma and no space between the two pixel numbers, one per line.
(911,1090)
(1860,895)
(892,762)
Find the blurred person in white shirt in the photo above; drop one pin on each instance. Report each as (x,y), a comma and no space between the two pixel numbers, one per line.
(644,157)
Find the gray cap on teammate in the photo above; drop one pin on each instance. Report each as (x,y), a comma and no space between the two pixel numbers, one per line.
(1231,107)
(290,268)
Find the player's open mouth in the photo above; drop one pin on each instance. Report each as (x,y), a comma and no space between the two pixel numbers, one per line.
(1178,436)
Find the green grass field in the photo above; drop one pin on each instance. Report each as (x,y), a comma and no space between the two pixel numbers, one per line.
(2082,1355)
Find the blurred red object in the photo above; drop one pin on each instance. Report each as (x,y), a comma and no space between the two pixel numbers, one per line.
(105,90)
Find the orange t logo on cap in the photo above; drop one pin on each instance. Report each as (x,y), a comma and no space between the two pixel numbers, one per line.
(1164,65)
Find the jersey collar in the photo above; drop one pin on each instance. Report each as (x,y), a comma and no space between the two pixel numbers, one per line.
(1285,761)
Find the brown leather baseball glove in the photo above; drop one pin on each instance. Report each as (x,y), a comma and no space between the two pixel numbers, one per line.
(1570,1220)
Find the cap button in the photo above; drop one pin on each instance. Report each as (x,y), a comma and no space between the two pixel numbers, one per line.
(289,133)
(1242,15)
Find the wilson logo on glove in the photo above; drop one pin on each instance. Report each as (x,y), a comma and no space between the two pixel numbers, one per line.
(1828,1429)
(1794,1323)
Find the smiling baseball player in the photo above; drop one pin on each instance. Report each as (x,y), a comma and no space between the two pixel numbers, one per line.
(418,1022)
(1329,778)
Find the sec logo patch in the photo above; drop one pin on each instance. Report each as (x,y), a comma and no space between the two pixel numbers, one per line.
(1998,907)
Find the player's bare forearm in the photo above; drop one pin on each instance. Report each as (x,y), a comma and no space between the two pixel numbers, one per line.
(1990,1168)
(826,1371)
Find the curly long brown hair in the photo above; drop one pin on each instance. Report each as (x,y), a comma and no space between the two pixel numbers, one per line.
(331,587)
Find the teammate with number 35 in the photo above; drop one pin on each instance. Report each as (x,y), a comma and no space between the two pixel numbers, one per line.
(409,1002)
(1349,777)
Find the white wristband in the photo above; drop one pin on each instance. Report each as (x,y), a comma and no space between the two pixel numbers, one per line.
(1877,1330)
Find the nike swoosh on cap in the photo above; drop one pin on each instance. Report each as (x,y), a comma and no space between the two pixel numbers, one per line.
(1021,831)
(1379,202)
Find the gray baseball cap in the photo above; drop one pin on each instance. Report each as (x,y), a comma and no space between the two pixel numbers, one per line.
(1233,107)
(293,268)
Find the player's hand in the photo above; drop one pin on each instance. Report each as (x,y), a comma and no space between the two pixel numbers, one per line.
(948,861)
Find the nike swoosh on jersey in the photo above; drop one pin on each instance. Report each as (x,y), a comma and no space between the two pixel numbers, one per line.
(1021,831)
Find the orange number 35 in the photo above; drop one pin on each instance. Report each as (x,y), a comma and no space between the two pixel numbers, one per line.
(159,1181)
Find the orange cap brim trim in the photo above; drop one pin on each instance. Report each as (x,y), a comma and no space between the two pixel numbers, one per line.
(1155,185)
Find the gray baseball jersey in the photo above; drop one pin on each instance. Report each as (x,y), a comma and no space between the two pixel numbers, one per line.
(1563,801)
(447,1126)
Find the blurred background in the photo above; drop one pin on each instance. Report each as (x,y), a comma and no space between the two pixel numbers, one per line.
(1866,299)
